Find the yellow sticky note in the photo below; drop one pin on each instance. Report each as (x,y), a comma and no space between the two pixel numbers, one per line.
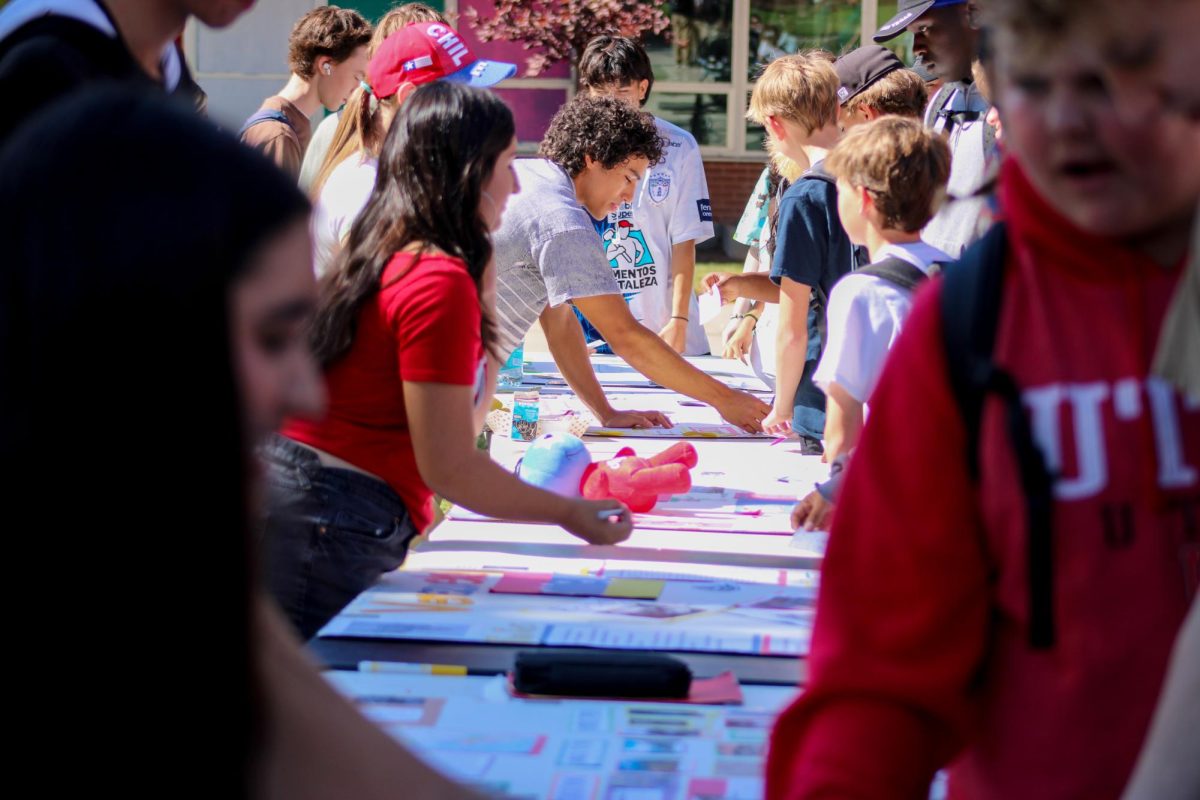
(443,600)
(634,588)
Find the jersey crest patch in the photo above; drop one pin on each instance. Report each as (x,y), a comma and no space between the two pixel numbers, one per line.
(658,186)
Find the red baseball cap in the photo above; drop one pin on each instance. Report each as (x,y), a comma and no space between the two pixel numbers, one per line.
(430,51)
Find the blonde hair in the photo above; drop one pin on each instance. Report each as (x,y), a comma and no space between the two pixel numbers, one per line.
(788,169)
(904,166)
(358,126)
(401,16)
(900,92)
(801,88)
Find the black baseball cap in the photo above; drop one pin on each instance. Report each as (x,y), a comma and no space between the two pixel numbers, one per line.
(906,12)
(861,67)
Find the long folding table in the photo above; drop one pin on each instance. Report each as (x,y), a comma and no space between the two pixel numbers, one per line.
(730,534)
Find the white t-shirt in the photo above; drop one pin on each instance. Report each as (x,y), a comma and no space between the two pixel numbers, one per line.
(864,317)
(318,148)
(671,206)
(342,199)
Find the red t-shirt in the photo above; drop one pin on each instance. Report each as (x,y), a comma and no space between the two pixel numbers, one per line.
(423,326)
(920,655)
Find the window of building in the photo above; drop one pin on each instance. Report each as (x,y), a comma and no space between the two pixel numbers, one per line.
(705,72)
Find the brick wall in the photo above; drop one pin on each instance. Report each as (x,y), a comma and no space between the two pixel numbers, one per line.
(729,185)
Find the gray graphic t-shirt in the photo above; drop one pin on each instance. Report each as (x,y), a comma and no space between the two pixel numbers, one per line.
(547,251)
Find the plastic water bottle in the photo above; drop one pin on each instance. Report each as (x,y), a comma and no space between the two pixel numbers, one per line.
(513,371)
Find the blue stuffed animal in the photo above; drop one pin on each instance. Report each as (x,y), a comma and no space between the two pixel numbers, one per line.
(555,462)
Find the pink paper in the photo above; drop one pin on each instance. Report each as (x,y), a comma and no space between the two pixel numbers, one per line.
(522,583)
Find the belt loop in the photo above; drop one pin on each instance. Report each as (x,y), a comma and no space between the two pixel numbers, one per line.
(302,478)
(304,463)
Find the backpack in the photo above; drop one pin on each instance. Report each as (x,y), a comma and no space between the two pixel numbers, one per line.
(939,100)
(265,115)
(898,272)
(970,310)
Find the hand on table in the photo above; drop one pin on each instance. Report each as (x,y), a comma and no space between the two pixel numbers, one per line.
(813,512)
(635,419)
(588,520)
(778,423)
(744,410)
(740,337)
(674,333)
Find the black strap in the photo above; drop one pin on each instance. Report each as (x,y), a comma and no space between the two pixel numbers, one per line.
(820,300)
(265,115)
(1037,486)
(895,271)
(970,308)
(935,105)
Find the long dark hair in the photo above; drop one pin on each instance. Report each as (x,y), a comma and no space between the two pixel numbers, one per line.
(435,161)
(125,224)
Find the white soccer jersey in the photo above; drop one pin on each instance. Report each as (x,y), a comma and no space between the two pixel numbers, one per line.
(671,206)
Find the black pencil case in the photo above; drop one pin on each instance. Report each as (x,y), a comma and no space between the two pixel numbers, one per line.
(601,674)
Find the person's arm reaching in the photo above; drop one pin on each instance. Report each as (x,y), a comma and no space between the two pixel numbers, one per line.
(437,359)
(683,274)
(739,334)
(564,337)
(903,611)
(736,336)
(791,350)
(443,438)
(572,264)
(751,285)
(651,356)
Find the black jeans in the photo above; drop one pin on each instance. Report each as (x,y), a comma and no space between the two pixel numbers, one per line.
(329,533)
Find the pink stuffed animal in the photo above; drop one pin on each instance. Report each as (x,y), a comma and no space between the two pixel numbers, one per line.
(638,482)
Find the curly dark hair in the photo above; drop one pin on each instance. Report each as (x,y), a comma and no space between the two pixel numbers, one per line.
(606,129)
(326,31)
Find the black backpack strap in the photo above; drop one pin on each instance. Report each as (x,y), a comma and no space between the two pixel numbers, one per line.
(935,104)
(970,308)
(265,115)
(895,271)
(820,301)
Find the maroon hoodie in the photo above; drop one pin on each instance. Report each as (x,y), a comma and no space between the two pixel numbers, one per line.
(921,655)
